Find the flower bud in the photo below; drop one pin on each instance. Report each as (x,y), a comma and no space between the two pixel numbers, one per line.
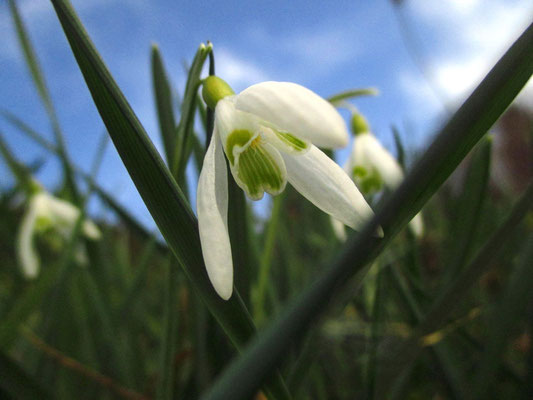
(215,89)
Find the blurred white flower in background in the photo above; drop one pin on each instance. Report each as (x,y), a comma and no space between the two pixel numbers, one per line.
(53,217)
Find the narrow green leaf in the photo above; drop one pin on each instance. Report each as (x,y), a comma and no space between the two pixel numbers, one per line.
(30,132)
(140,277)
(400,149)
(38,78)
(469,208)
(339,98)
(461,133)
(188,107)
(162,196)
(19,170)
(164,106)
(260,289)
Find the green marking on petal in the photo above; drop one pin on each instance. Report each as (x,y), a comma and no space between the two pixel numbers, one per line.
(291,140)
(371,184)
(368,181)
(359,171)
(238,137)
(42,223)
(259,171)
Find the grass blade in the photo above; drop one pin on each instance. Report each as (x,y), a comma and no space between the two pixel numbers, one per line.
(470,207)
(164,107)
(457,138)
(339,98)
(19,171)
(260,289)
(188,108)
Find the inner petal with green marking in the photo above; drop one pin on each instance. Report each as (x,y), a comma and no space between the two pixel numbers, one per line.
(259,168)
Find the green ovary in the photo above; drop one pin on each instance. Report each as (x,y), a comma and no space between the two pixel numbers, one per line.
(259,171)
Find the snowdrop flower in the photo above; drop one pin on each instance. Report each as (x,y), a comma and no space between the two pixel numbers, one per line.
(372,167)
(269,133)
(45,214)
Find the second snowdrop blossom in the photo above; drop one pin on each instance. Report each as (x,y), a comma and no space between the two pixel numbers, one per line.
(269,133)
(48,214)
(372,167)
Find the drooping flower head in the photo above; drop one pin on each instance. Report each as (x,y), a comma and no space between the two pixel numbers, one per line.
(269,133)
(48,214)
(372,167)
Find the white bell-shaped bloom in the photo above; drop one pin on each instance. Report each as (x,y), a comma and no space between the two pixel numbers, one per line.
(269,132)
(48,213)
(371,166)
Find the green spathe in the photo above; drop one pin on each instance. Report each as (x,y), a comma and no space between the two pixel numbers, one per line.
(215,89)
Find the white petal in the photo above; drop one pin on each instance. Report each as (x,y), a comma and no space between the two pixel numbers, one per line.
(417,225)
(62,211)
(228,119)
(212,206)
(28,258)
(297,110)
(370,153)
(338,229)
(326,185)
(91,230)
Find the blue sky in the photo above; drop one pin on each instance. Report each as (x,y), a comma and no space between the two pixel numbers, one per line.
(326,46)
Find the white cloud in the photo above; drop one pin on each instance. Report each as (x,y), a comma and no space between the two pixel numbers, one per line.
(477,32)
(238,72)
(457,78)
(419,94)
(322,48)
